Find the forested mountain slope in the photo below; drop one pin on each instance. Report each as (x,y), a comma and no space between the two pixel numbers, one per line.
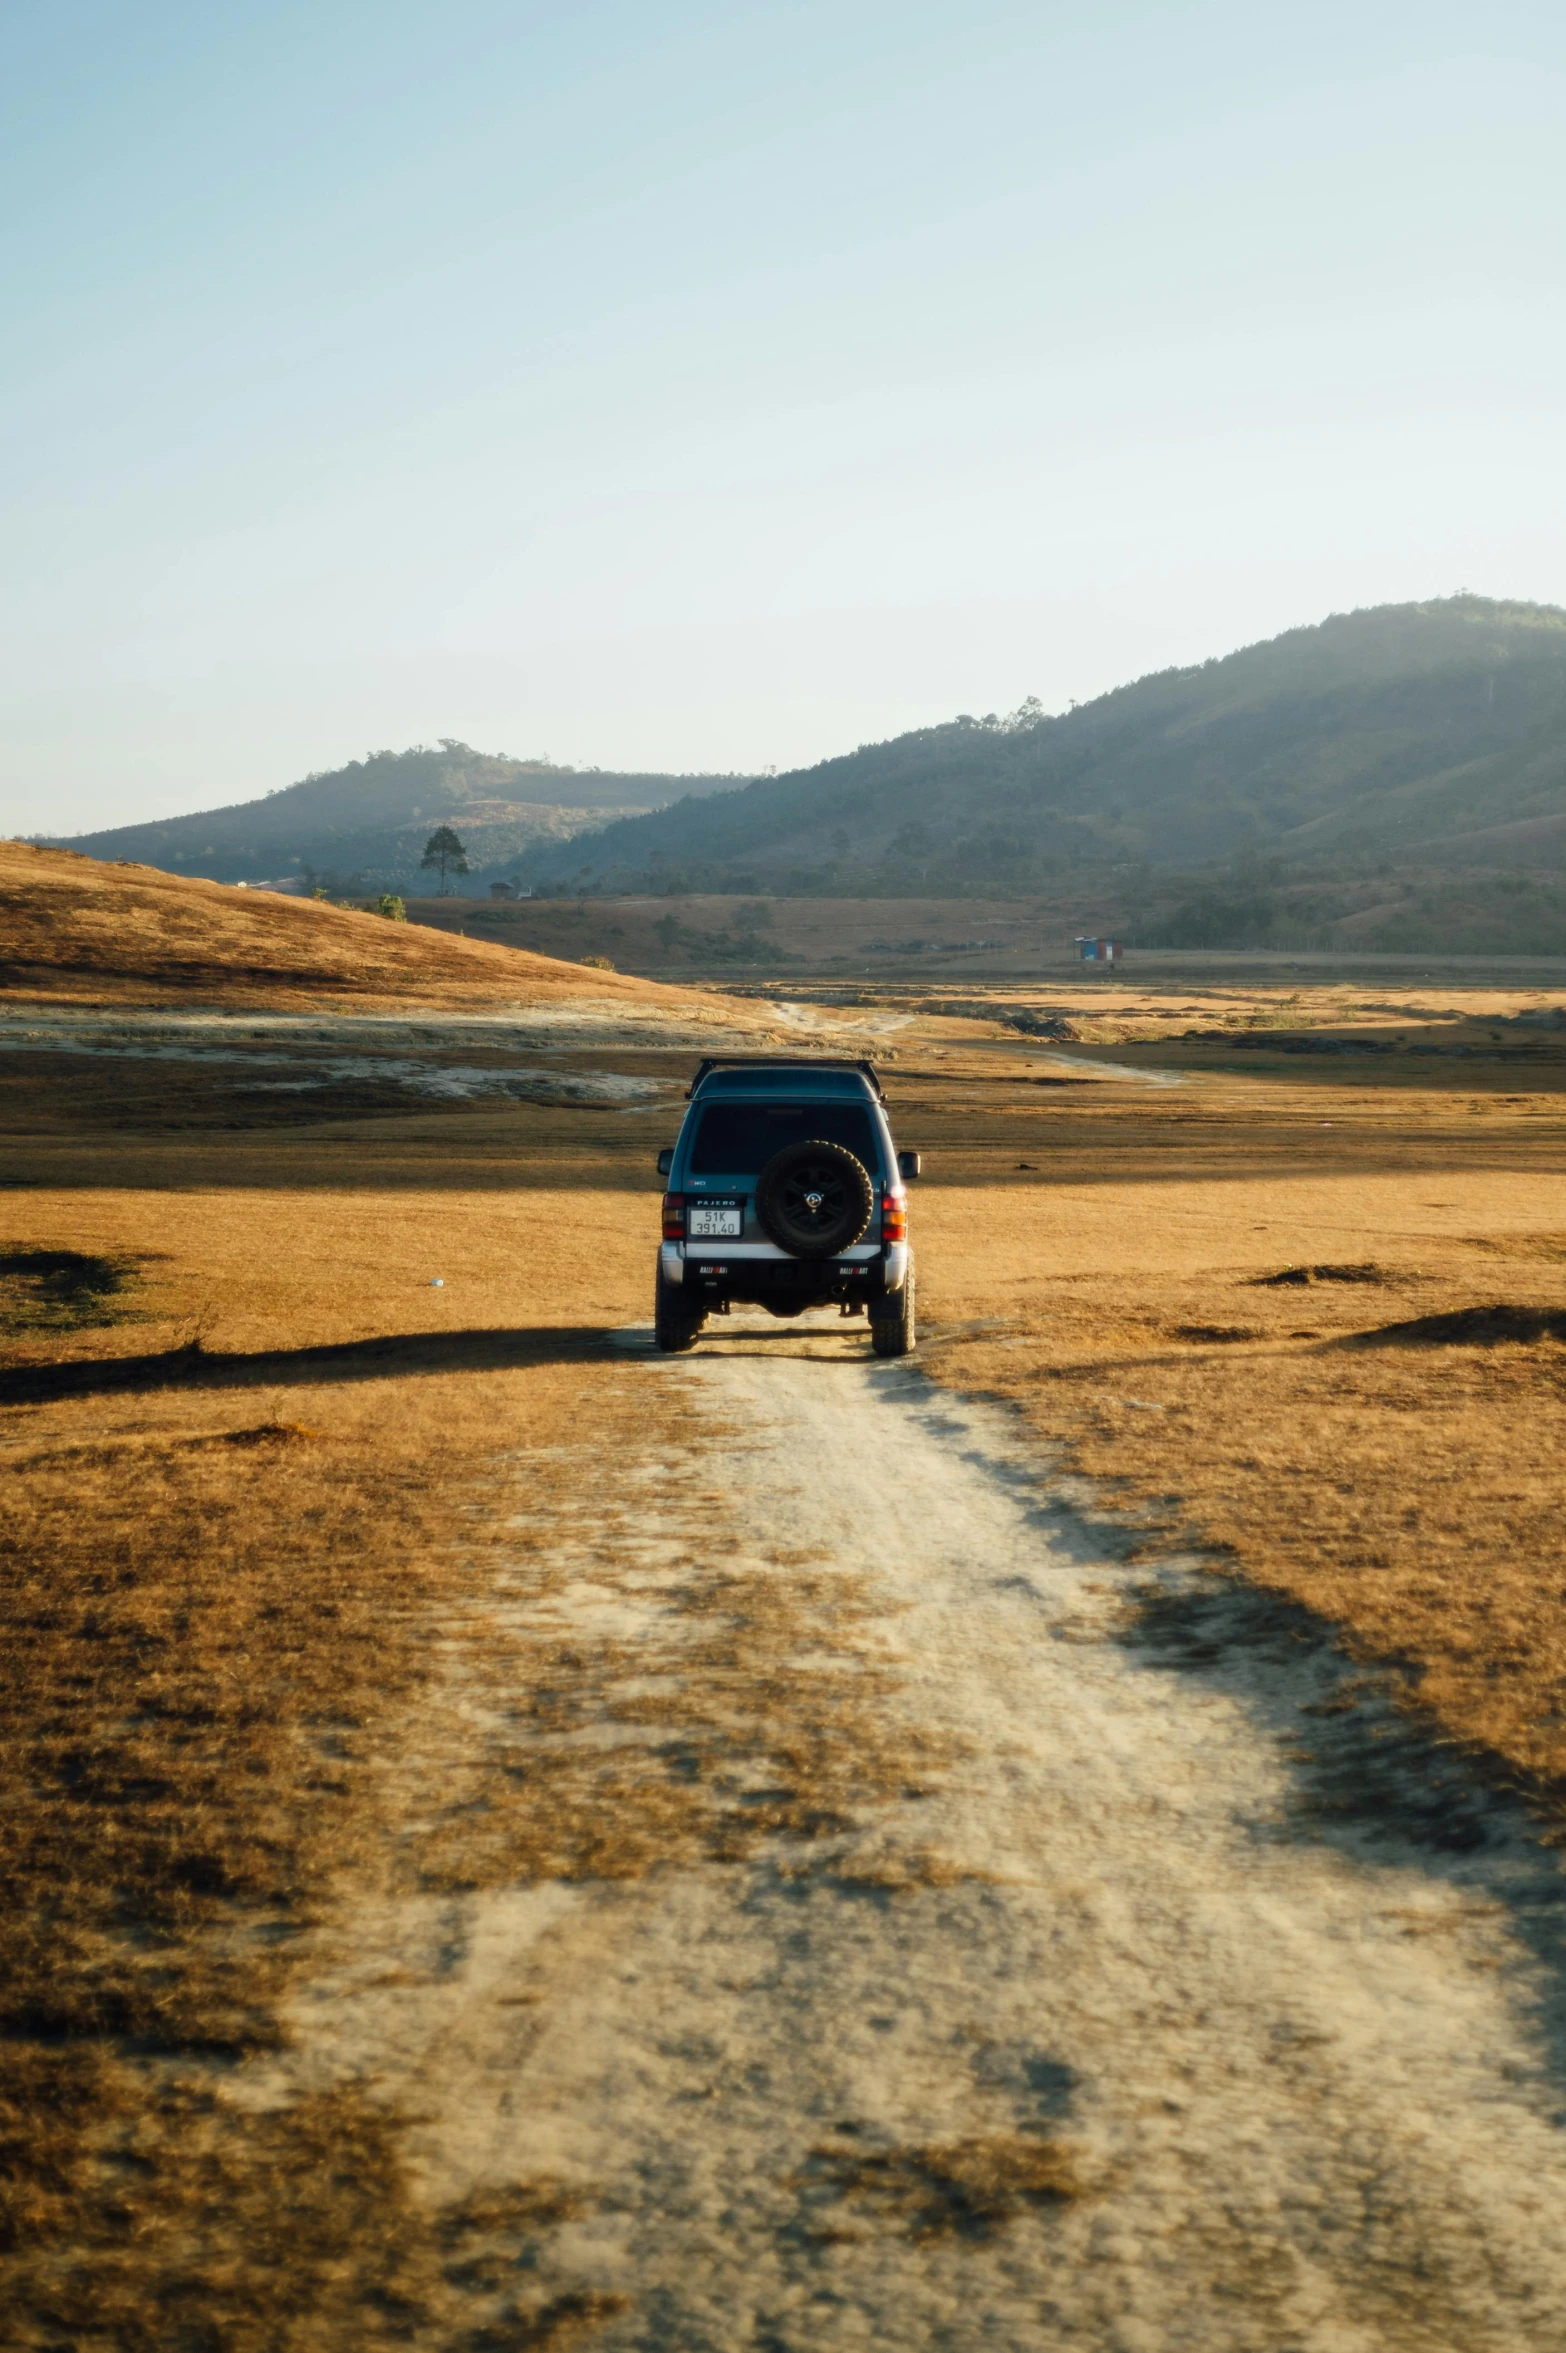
(1402,730)
(365,825)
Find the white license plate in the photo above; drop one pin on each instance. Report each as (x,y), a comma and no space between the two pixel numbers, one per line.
(715,1225)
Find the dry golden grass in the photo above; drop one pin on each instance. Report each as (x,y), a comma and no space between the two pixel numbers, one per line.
(222,1571)
(243,1579)
(225,1562)
(185,2224)
(78,931)
(717,931)
(1379,1438)
(954,2189)
(1024,946)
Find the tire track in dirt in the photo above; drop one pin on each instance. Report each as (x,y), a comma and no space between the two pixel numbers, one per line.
(1181,1997)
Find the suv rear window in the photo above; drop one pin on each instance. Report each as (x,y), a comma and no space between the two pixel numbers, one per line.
(738,1139)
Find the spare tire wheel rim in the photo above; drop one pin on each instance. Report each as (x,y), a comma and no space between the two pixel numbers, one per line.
(814,1199)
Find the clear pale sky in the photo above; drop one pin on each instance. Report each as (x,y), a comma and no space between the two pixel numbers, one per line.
(718,386)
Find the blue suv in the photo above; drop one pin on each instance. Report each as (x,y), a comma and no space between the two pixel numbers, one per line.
(786,1192)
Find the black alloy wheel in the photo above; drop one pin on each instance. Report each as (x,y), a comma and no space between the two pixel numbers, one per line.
(814,1199)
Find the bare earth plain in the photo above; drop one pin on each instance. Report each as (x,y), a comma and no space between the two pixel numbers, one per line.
(511,1841)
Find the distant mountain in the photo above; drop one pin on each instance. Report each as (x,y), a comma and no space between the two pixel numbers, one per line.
(365,826)
(1410,737)
(1428,734)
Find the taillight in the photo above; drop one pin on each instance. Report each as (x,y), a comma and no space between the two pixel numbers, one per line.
(674,1217)
(894,1217)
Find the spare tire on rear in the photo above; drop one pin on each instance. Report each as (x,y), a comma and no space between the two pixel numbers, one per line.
(814,1199)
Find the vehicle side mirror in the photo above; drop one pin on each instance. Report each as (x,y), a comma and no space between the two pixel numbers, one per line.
(908,1164)
(666,1160)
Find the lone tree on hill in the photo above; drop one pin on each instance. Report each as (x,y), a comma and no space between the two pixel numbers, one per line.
(445,851)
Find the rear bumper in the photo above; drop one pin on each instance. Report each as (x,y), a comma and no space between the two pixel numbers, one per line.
(756,1271)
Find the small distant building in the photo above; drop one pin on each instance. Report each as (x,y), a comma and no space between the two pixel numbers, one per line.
(502,890)
(1098,951)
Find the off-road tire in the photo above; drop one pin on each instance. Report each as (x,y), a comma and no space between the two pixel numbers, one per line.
(674,1326)
(814,1199)
(892,1330)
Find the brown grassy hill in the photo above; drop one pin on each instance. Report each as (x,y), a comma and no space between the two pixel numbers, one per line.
(76,930)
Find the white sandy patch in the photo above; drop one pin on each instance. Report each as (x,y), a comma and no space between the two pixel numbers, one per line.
(324,1051)
(1130,1070)
(1297,2015)
(444,1081)
(420,1054)
(585,1021)
(826,1021)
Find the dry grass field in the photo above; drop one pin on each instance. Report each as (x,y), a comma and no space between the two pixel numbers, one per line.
(1317,1332)
(696,936)
(261,1484)
(688,938)
(254,1467)
(1299,1309)
(242,1521)
(74,931)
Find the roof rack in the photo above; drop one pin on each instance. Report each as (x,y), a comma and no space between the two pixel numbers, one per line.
(711,1062)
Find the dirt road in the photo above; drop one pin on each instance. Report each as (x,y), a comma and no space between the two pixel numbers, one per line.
(1140,1982)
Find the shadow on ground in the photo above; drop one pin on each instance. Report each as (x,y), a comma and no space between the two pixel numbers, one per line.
(390,1358)
(1490,1326)
(1369,1776)
(1365,1771)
